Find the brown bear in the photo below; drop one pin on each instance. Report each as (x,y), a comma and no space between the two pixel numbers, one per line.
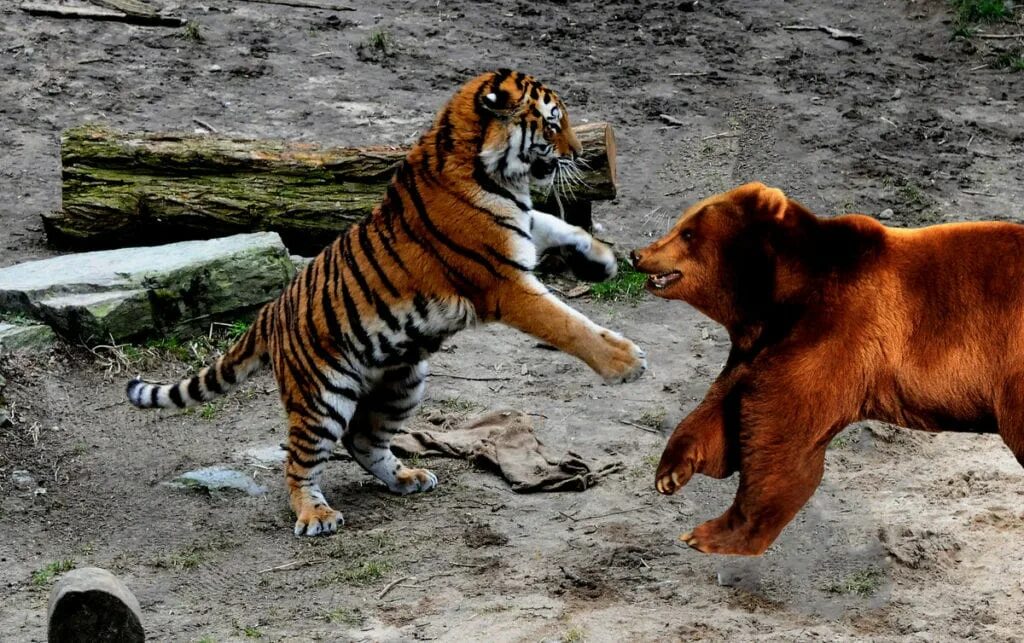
(833,321)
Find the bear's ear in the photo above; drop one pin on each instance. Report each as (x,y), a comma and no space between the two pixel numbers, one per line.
(764,203)
(772,204)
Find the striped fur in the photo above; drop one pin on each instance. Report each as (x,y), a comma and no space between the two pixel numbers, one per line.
(453,243)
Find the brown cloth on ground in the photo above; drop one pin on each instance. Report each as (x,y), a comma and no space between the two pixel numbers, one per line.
(504,442)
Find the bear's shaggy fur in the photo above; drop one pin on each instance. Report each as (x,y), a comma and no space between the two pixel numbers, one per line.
(833,321)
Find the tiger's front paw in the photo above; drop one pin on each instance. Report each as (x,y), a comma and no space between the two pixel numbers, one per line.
(597,263)
(318,520)
(624,361)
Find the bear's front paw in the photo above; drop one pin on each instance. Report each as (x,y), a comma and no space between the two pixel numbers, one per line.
(674,478)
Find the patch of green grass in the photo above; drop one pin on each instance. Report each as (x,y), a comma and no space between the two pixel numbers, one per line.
(841,441)
(17,319)
(252,632)
(968,11)
(173,346)
(365,546)
(912,195)
(235,330)
(646,468)
(43,577)
(379,40)
(208,411)
(652,418)
(193,32)
(364,573)
(457,405)
(1010,60)
(344,616)
(574,634)
(861,583)
(627,285)
(191,556)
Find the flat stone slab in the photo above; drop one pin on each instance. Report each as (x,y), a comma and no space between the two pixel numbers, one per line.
(270,455)
(91,604)
(134,292)
(215,479)
(25,337)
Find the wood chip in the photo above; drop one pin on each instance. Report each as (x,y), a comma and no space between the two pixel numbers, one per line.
(838,34)
(304,4)
(577,291)
(130,7)
(671,120)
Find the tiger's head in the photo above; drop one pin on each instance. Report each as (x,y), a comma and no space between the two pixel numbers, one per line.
(517,129)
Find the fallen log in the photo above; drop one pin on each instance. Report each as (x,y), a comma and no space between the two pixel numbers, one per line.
(135,189)
(89,13)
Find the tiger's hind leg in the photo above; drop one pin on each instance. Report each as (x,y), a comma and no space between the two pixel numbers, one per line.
(379,418)
(315,423)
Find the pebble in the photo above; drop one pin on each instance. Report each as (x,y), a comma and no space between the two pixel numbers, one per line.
(885,214)
(22,480)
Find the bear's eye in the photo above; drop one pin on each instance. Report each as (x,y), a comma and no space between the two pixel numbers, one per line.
(687,235)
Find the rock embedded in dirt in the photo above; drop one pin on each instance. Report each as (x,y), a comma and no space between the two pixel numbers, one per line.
(135,292)
(214,479)
(25,337)
(271,455)
(22,480)
(91,604)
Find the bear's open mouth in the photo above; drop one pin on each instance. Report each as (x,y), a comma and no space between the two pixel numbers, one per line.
(664,279)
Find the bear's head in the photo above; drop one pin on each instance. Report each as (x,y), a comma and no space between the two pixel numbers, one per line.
(722,255)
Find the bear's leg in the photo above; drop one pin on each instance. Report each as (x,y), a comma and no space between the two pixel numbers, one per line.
(776,478)
(1010,416)
(700,443)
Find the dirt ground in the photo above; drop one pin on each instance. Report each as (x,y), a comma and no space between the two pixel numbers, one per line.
(910,537)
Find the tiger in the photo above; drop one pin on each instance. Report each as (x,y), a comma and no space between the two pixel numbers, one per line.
(452,244)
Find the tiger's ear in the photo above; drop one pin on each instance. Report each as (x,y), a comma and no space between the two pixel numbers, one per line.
(497,102)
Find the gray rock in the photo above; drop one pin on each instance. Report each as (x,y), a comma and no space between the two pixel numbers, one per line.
(218,479)
(133,292)
(25,337)
(300,262)
(271,455)
(22,480)
(885,214)
(91,604)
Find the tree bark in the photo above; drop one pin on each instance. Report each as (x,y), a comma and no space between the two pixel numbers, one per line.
(124,188)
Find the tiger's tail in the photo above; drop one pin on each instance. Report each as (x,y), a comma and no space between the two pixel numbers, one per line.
(232,368)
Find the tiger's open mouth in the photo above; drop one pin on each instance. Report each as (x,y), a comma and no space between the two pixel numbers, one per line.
(543,168)
(664,279)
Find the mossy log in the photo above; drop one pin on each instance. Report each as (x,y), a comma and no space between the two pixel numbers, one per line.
(122,188)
